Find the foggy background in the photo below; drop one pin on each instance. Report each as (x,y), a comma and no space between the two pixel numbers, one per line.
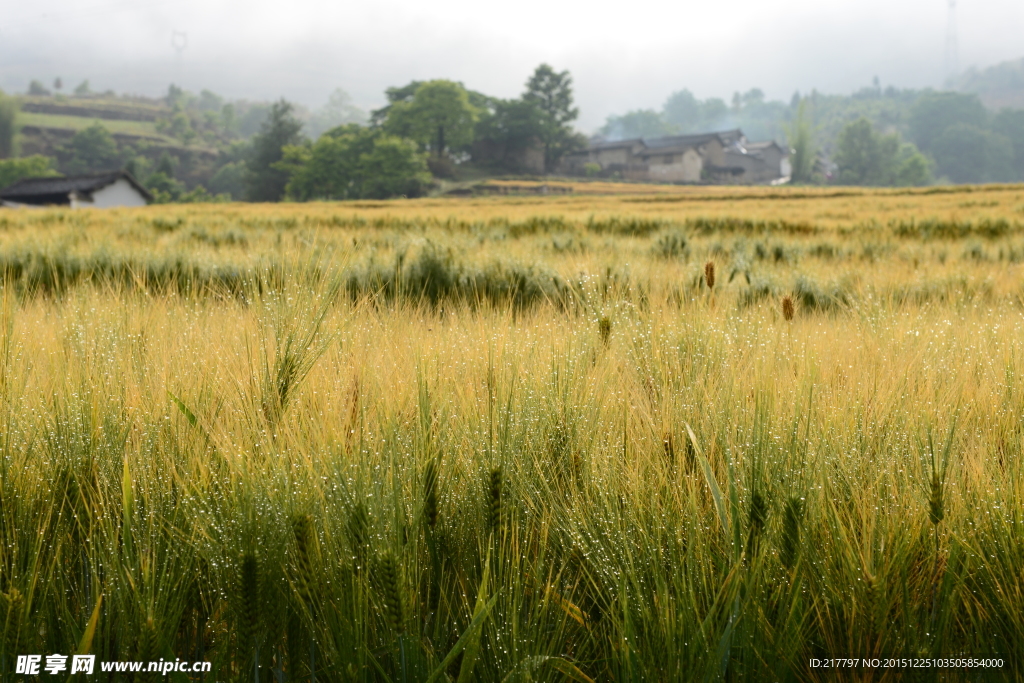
(621,55)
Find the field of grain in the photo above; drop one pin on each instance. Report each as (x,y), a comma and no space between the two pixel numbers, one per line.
(651,434)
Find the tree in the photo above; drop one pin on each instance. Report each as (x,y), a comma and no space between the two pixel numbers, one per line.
(683,111)
(439,117)
(8,125)
(164,187)
(801,140)
(339,110)
(970,154)
(350,162)
(394,94)
(642,123)
(858,155)
(913,168)
(178,126)
(210,101)
(865,157)
(38,89)
(687,114)
(392,168)
(35,166)
(327,169)
(934,112)
(551,92)
(264,182)
(83,89)
(229,179)
(1010,124)
(506,130)
(92,149)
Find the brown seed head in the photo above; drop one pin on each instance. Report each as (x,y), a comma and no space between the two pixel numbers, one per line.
(709,274)
(787,308)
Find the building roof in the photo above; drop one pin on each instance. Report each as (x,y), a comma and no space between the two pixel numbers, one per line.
(685,141)
(671,144)
(33,190)
(758,146)
(612,144)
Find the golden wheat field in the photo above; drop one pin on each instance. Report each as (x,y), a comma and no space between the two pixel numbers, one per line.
(625,434)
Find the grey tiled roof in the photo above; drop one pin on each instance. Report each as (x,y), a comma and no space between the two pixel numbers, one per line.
(28,188)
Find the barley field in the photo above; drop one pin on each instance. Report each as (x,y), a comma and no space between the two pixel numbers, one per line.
(626,434)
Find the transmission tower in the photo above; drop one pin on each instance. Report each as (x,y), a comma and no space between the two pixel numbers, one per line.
(179,41)
(952,58)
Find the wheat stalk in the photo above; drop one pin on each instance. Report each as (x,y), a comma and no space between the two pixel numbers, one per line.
(494,501)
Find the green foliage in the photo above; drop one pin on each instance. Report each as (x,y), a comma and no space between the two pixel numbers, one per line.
(83,89)
(230,180)
(551,92)
(164,187)
(439,117)
(176,96)
(138,167)
(934,112)
(92,149)
(351,162)
(683,113)
(392,168)
(866,157)
(210,101)
(8,125)
(35,166)
(37,89)
(394,94)
(686,114)
(511,127)
(338,111)
(433,276)
(178,126)
(801,141)
(642,123)
(166,165)
(264,180)
(967,153)
(760,119)
(1009,123)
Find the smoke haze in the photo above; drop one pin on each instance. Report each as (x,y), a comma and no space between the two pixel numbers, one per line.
(622,56)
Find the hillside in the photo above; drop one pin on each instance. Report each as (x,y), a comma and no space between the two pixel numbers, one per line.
(998,86)
(143,129)
(46,122)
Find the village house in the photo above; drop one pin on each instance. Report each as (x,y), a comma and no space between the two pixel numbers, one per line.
(724,157)
(98,190)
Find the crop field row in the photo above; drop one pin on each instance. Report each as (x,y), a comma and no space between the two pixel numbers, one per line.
(589,438)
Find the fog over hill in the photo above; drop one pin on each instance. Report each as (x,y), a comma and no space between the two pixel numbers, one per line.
(621,57)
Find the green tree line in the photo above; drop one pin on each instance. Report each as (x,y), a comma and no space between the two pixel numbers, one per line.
(427,130)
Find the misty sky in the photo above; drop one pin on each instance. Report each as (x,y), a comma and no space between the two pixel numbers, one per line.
(622,56)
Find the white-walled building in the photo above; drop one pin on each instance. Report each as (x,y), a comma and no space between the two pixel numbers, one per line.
(724,157)
(98,190)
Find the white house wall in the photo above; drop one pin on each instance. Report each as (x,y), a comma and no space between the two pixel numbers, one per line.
(619,155)
(686,170)
(119,193)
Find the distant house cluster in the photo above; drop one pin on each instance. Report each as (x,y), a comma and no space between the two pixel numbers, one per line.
(722,158)
(99,190)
